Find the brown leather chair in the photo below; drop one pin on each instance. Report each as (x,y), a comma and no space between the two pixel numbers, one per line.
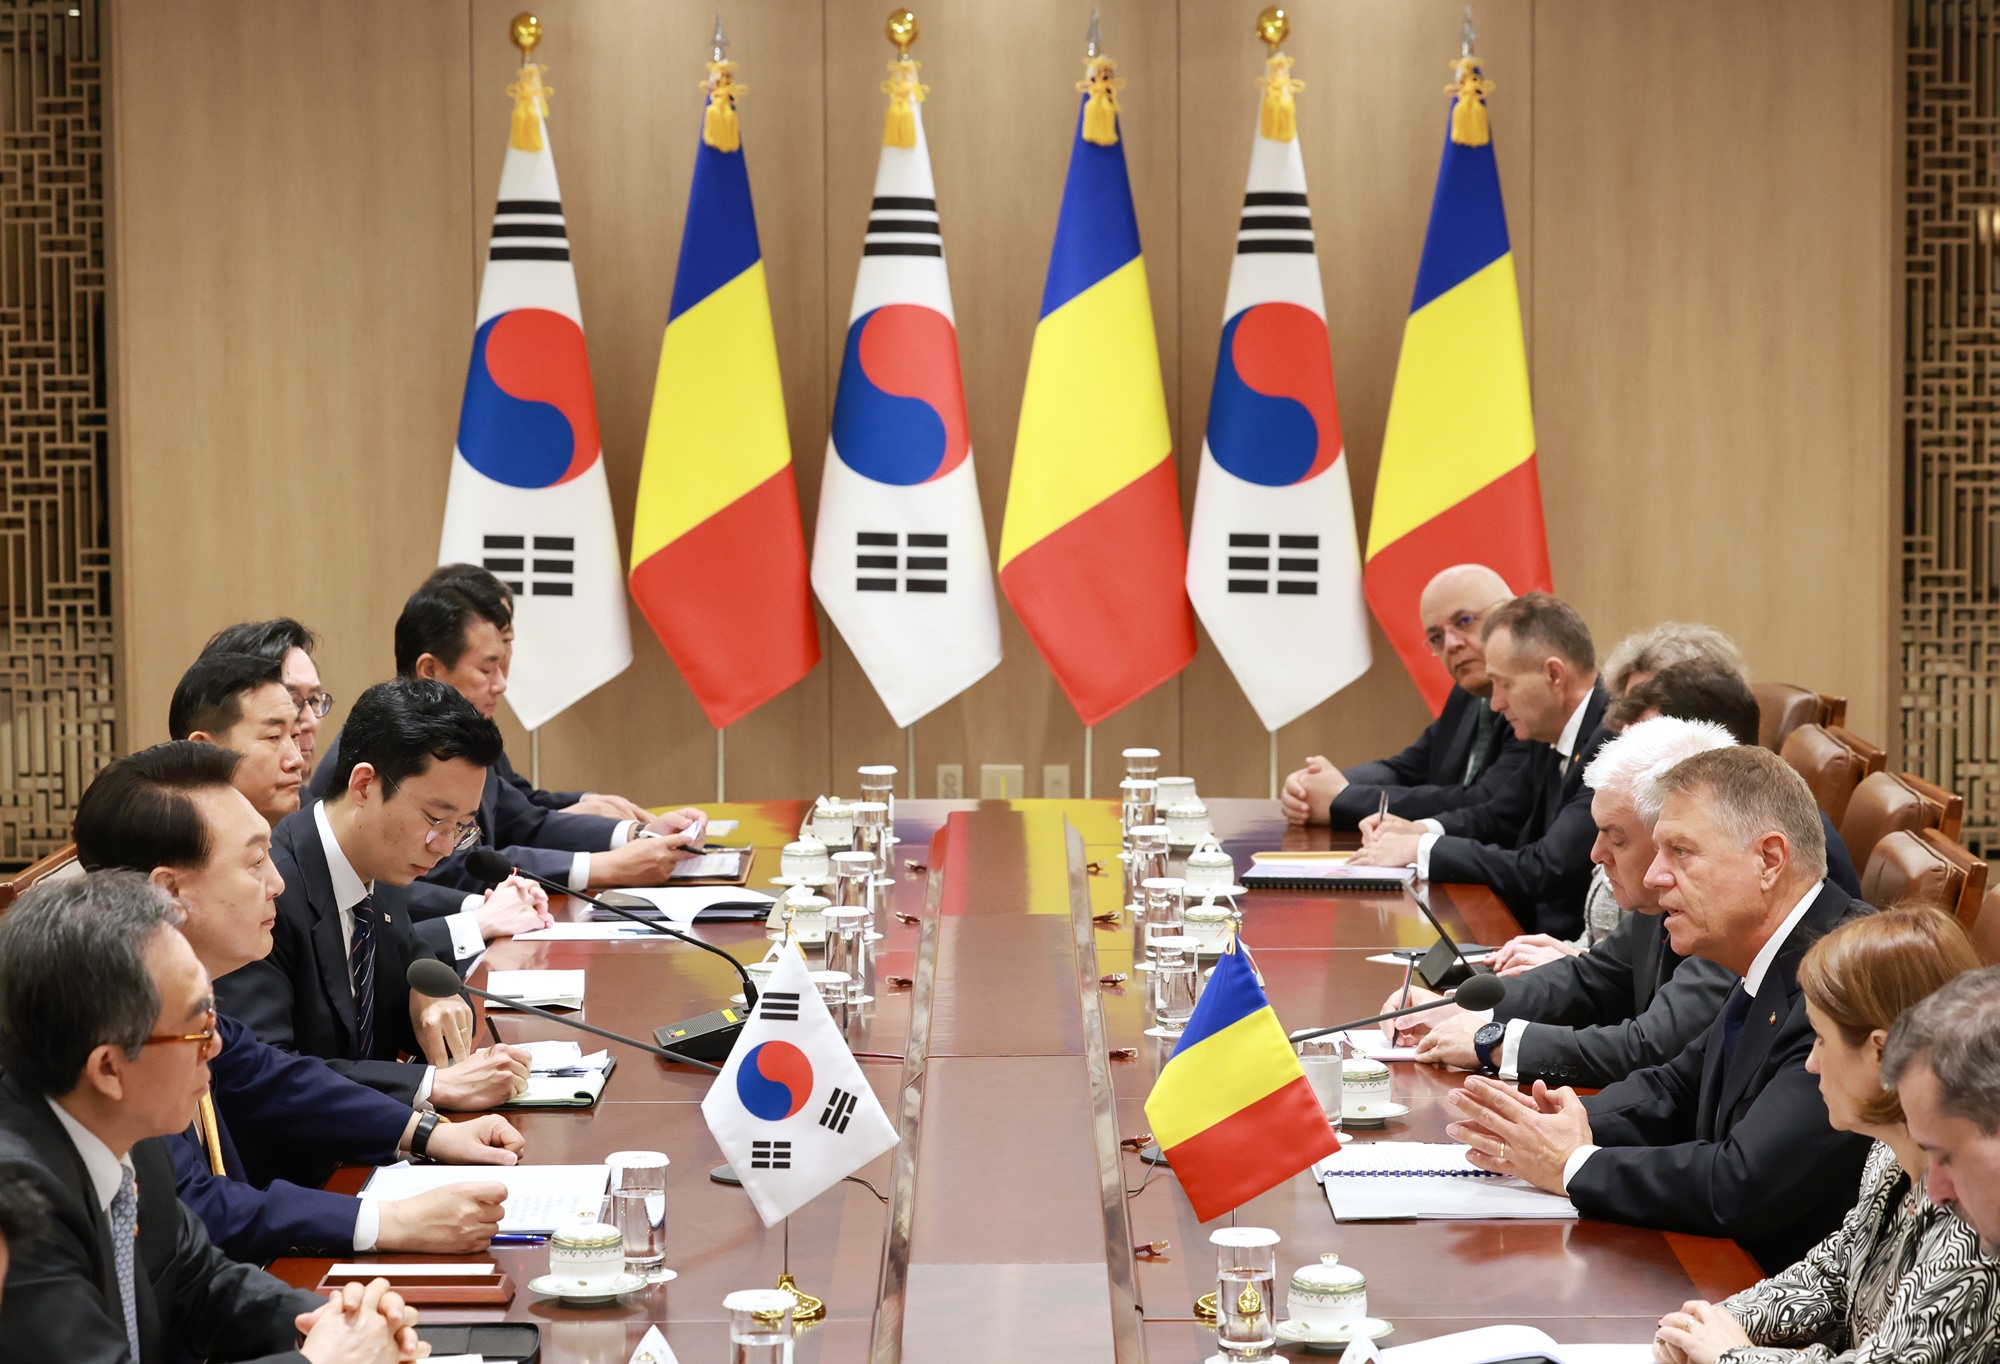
(1885,801)
(1986,929)
(1832,709)
(57,865)
(1833,762)
(1782,708)
(1928,868)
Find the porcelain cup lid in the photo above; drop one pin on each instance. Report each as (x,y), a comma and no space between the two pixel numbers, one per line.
(1329,1273)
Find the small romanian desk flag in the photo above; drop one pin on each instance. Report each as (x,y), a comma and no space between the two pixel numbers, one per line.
(1092,556)
(1232,1111)
(1457,482)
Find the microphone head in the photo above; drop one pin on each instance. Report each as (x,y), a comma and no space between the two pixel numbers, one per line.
(429,976)
(488,866)
(1483,991)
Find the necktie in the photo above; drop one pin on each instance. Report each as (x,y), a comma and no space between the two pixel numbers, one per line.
(1733,1014)
(361,965)
(1482,734)
(124,1242)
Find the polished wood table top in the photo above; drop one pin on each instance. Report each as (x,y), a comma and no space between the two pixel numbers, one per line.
(1005,1222)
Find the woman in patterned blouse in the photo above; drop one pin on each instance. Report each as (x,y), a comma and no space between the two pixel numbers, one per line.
(1902,1279)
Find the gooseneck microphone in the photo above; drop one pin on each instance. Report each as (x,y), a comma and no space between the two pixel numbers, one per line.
(1481,992)
(429,976)
(712,1034)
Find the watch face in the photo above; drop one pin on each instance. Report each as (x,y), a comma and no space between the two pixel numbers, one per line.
(1488,1034)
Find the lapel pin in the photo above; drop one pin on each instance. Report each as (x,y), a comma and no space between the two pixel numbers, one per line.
(1774,1018)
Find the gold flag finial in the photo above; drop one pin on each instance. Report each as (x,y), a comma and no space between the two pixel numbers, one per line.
(1272,27)
(524,30)
(905,91)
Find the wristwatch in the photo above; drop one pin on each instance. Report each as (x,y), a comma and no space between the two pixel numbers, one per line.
(420,1139)
(1489,1036)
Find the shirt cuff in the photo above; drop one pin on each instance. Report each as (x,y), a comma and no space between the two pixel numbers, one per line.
(1510,1049)
(423,1098)
(1575,1163)
(579,871)
(1424,846)
(627,830)
(367,1224)
(1430,824)
(467,940)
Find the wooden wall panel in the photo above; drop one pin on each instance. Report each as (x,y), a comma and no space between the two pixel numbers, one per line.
(1691,190)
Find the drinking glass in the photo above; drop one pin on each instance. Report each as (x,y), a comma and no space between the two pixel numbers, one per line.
(878,783)
(847,949)
(880,891)
(871,827)
(637,1199)
(832,987)
(1140,804)
(1175,982)
(1142,762)
(1147,856)
(760,1326)
(1320,1058)
(1246,1275)
(1166,915)
(851,873)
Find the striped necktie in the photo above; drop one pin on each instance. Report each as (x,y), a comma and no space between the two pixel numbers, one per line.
(361,965)
(124,1245)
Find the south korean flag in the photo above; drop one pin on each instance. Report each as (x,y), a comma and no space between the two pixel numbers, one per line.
(791,1110)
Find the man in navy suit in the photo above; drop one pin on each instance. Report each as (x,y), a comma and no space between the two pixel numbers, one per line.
(1466,756)
(277,1120)
(458,628)
(335,984)
(1731,1137)
(106,1027)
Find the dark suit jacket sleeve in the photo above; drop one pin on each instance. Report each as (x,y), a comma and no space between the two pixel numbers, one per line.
(259,1088)
(1605,1053)
(260,997)
(548,800)
(228,1310)
(1509,795)
(443,889)
(249,1223)
(1555,867)
(1433,801)
(1765,1173)
(1411,767)
(1582,990)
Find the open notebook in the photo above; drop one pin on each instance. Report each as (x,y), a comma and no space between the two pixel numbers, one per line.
(1322,871)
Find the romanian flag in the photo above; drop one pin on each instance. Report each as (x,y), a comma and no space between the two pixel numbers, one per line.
(717,502)
(1091,553)
(1232,1110)
(1457,481)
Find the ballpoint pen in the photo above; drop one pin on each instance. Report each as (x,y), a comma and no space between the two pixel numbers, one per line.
(508,1238)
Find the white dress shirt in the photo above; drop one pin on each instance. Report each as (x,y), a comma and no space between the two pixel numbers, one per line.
(106,1171)
(1565,745)
(1760,966)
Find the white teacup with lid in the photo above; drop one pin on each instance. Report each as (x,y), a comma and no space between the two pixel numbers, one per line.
(1327,1297)
(1208,865)
(832,823)
(805,860)
(1186,821)
(586,1257)
(1364,1089)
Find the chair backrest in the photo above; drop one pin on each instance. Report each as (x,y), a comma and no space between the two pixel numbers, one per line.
(1986,929)
(1833,762)
(1832,709)
(1949,804)
(1884,802)
(56,866)
(1927,867)
(1782,708)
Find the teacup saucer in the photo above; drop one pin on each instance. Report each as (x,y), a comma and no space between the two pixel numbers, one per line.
(1381,1115)
(1295,1332)
(801,880)
(549,1287)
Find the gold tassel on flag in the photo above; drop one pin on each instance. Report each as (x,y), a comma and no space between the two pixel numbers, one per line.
(1468,116)
(531,97)
(718,121)
(1100,111)
(899,124)
(1279,119)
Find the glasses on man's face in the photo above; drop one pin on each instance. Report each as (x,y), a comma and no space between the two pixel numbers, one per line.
(318,702)
(443,835)
(206,1042)
(1463,624)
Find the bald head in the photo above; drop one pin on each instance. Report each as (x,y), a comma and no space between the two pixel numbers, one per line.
(1453,605)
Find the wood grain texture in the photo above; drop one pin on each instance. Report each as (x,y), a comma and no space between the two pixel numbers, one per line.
(1691,190)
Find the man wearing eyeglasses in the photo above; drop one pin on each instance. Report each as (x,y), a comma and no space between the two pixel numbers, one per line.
(105,1022)
(403,794)
(1466,757)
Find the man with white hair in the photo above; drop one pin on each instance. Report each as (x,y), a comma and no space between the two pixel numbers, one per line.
(1629,1002)
(1641,654)
(1464,757)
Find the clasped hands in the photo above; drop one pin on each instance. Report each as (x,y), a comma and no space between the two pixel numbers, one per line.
(361,1324)
(1699,1333)
(1527,1135)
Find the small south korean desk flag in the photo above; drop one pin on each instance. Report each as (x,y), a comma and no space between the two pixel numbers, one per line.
(790,1109)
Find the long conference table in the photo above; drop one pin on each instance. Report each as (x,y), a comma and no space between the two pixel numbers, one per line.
(1007,1226)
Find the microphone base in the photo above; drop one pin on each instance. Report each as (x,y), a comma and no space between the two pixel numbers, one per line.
(709,1037)
(722,1174)
(1153,1155)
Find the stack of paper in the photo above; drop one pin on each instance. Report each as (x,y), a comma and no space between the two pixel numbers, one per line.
(540,1198)
(1322,871)
(680,906)
(1490,1344)
(1371,1042)
(1376,1181)
(560,1075)
(542,989)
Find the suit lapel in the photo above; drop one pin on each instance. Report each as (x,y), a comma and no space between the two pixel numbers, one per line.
(1772,1004)
(52,1144)
(329,946)
(1449,766)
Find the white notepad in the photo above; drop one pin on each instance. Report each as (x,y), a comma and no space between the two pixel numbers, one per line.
(543,989)
(1430,1181)
(540,1198)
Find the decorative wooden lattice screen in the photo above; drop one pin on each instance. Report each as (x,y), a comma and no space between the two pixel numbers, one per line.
(56,624)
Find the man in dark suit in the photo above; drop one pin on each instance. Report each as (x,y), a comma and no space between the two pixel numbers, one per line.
(412,765)
(1631,1001)
(1533,846)
(458,629)
(283,1121)
(1465,757)
(1731,1137)
(106,1022)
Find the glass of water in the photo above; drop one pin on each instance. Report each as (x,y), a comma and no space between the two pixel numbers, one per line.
(1166,915)
(1246,1275)
(1148,857)
(846,949)
(833,987)
(637,1199)
(760,1326)
(1175,984)
(1320,1058)
(871,828)
(878,783)
(1139,803)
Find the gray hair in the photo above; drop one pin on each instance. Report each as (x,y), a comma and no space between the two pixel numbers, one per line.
(1753,792)
(1668,643)
(1632,764)
(1955,1032)
(73,975)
